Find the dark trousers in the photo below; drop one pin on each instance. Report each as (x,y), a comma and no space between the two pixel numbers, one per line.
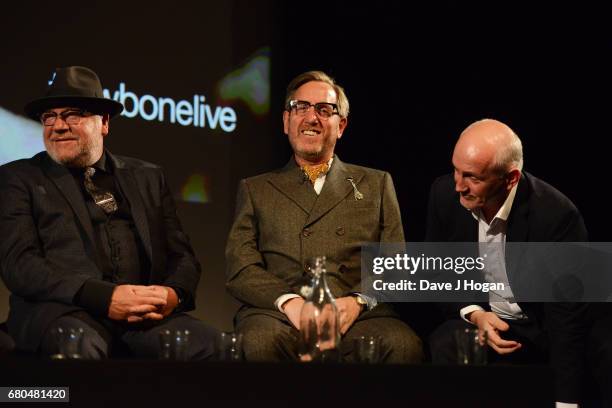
(105,338)
(6,342)
(599,354)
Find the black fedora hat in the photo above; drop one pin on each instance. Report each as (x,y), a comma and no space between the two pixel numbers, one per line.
(77,87)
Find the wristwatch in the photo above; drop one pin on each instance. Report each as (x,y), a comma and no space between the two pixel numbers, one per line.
(361,301)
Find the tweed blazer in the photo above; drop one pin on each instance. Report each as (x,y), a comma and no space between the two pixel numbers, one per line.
(280,222)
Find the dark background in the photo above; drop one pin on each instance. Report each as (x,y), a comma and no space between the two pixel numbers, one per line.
(416,76)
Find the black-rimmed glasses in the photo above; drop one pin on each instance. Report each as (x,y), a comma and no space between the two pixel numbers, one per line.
(71,117)
(323,110)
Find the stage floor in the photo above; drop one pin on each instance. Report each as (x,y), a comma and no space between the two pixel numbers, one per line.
(138,383)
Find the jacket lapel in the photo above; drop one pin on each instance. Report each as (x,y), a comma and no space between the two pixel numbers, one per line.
(291,181)
(518,231)
(336,187)
(467,226)
(129,187)
(64,181)
(517,221)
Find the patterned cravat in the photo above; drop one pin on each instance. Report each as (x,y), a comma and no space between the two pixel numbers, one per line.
(313,172)
(104,199)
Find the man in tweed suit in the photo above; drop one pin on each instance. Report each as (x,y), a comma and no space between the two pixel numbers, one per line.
(315,205)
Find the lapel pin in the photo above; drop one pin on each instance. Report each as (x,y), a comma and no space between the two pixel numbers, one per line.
(358,195)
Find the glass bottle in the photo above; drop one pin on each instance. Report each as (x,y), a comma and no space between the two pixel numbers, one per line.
(319,323)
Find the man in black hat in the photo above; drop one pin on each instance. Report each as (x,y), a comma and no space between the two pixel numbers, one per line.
(91,240)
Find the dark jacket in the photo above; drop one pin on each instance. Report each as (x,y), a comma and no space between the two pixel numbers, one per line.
(47,250)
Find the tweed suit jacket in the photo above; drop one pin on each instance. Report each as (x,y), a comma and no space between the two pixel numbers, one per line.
(280,222)
(48,252)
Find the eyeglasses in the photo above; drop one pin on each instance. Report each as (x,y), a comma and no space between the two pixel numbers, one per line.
(71,117)
(323,110)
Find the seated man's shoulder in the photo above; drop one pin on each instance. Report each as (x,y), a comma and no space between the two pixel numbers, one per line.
(23,165)
(260,178)
(548,196)
(443,187)
(16,165)
(259,182)
(552,215)
(369,172)
(132,162)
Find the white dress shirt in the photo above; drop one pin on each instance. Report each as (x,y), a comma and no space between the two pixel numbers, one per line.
(502,303)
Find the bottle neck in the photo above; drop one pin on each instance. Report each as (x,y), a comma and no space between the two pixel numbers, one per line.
(320,290)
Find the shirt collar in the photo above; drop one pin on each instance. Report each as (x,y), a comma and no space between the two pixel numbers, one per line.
(504,211)
(102,164)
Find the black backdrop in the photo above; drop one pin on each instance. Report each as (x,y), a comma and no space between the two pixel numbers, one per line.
(416,75)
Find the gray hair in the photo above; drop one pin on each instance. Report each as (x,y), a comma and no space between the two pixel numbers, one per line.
(510,155)
(320,76)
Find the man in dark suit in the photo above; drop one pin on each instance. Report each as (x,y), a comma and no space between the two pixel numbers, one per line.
(315,206)
(490,199)
(91,240)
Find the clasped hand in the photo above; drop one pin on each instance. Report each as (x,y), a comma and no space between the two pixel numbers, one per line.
(135,303)
(348,311)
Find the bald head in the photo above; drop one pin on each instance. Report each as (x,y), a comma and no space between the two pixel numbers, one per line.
(488,159)
(491,143)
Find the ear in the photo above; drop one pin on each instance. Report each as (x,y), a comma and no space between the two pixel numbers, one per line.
(512,178)
(341,126)
(286,122)
(105,124)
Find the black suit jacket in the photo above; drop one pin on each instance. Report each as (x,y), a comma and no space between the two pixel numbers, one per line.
(540,213)
(47,250)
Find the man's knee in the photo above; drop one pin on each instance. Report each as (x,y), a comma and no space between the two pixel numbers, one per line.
(403,346)
(6,342)
(94,347)
(442,341)
(91,345)
(202,346)
(267,339)
(399,344)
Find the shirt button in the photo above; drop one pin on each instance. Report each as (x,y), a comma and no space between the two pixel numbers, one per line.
(340,231)
(306,232)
